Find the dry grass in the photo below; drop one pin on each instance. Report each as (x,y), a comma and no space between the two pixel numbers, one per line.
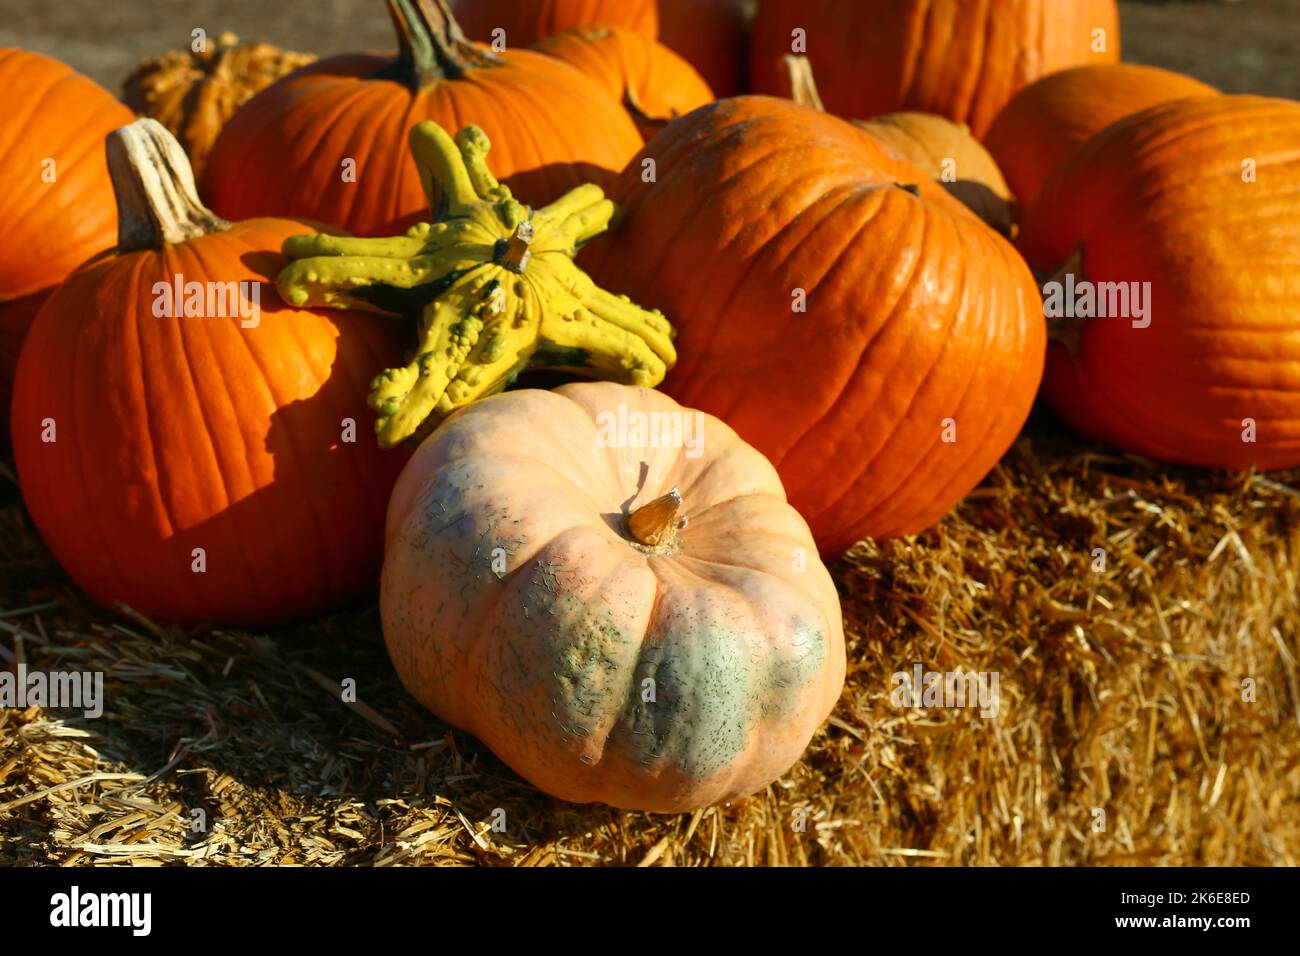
(1120,690)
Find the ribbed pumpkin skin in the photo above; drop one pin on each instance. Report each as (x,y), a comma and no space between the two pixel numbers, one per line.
(544,658)
(632,67)
(931,142)
(926,140)
(183,433)
(962,59)
(916,312)
(709,34)
(551,128)
(1159,198)
(1046,120)
(49,229)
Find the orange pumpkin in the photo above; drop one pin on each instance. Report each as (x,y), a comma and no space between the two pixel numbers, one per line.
(194,456)
(842,312)
(947,151)
(708,34)
(962,59)
(56,210)
(619,615)
(1046,120)
(1200,200)
(652,82)
(328,142)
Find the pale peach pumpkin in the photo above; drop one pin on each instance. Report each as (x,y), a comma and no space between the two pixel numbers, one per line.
(657,658)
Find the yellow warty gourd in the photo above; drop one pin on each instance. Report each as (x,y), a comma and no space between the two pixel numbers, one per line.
(492,283)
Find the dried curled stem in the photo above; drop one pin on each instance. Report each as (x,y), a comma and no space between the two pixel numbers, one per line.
(493,283)
(157,201)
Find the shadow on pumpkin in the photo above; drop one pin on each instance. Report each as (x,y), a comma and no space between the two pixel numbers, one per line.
(246,724)
(303,533)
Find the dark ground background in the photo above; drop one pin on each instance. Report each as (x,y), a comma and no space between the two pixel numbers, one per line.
(1249,46)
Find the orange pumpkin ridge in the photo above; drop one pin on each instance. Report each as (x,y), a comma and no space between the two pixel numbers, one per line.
(962,60)
(913,311)
(711,35)
(653,83)
(54,218)
(1200,199)
(57,208)
(945,150)
(1047,120)
(143,432)
(285,152)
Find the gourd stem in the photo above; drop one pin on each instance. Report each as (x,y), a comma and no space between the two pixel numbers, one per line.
(514,252)
(478,326)
(653,524)
(432,45)
(799,77)
(157,202)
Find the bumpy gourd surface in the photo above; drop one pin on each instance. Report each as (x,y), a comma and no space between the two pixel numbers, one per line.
(494,284)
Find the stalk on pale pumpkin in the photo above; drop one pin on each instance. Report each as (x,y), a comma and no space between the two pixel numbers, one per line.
(514,608)
(654,524)
(494,284)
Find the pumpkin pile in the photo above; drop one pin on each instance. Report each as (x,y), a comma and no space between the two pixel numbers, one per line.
(816,310)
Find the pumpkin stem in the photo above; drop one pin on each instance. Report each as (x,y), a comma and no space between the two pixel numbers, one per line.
(157,202)
(801,87)
(432,45)
(653,523)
